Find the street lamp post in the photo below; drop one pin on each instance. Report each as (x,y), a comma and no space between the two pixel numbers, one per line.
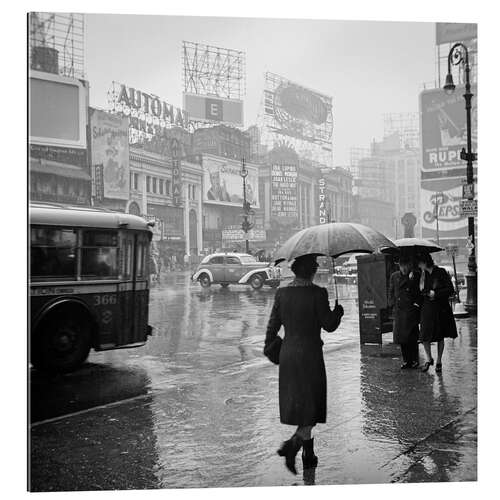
(245,225)
(460,55)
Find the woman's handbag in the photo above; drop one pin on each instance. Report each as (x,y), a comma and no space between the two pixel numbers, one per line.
(272,350)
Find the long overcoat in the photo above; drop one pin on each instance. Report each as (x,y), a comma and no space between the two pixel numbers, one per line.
(404,296)
(303,311)
(436,317)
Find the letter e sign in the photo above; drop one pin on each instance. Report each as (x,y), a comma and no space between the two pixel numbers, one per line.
(213,109)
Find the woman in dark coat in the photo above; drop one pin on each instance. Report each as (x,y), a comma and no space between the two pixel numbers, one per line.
(303,309)
(404,297)
(436,317)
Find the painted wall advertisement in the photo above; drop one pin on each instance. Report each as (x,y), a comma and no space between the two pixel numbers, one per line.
(109,143)
(447,195)
(223,184)
(443,129)
(284,191)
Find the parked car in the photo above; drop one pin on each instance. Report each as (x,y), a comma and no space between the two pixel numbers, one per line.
(236,268)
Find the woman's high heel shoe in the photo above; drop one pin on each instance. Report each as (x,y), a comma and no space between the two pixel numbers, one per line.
(309,459)
(427,364)
(289,450)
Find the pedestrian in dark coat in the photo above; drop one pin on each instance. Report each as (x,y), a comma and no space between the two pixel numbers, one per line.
(404,297)
(303,309)
(436,317)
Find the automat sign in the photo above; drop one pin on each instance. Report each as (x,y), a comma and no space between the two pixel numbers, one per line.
(148,114)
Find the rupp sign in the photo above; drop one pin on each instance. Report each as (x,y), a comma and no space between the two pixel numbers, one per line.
(443,128)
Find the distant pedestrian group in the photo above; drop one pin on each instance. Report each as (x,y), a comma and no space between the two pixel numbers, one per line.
(420,297)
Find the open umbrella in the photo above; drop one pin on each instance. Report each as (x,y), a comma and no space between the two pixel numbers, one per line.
(413,245)
(333,239)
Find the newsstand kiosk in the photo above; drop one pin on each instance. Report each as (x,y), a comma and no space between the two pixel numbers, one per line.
(374,272)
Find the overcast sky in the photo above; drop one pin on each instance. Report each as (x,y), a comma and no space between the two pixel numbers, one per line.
(369,68)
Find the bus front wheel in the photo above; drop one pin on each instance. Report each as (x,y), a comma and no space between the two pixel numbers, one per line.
(62,342)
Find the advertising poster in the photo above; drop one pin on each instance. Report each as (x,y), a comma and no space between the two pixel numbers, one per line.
(443,129)
(109,143)
(447,194)
(284,191)
(223,184)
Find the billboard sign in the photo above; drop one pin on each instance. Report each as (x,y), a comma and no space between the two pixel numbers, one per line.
(223,184)
(176,173)
(468,208)
(455,32)
(109,146)
(298,111)
(237,234)
(284,190)
(323,208)
(447,195)
(213,109)
(443,129)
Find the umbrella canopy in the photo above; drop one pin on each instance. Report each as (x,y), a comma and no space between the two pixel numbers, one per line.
(332,239)
(414,245)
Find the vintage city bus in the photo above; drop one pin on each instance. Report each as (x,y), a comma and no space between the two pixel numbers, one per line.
(88,283)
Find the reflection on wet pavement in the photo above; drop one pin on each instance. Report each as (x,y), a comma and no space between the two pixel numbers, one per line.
(197,406)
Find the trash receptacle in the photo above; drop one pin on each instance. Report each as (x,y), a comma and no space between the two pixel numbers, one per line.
(374,272)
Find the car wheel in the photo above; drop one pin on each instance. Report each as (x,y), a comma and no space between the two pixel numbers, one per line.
(256,282)
(205,280)
(62,342)
(224,285)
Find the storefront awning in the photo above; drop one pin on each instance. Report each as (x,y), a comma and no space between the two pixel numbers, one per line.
(57,168)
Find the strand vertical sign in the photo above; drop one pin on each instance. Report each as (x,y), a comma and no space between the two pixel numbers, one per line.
(176,173)
(322,202)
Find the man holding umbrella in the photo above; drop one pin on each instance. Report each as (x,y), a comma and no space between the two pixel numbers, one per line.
(404,297)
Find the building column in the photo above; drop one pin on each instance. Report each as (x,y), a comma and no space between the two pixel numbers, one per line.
(312,205)
(200,221)
(186,218)
(144,201)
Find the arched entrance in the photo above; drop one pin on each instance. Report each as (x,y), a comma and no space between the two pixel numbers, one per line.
(134,209)
(193,232)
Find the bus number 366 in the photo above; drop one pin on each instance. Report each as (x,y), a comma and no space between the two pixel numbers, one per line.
(104,300)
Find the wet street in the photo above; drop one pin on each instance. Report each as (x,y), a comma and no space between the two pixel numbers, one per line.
(198,405)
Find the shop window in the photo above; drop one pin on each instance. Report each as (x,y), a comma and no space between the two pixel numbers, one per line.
(53,253)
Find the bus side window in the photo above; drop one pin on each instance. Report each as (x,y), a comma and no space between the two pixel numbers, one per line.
(127,271)
(53,253)
(100,254)
(140,259)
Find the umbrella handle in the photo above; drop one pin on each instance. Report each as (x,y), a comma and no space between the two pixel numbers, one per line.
(335,282)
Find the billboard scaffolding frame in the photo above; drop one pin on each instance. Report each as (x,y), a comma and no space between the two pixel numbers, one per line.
(213,71)
(56,40)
